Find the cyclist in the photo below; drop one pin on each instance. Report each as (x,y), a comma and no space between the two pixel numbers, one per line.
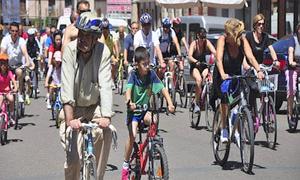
(180,35)
(112,45)
(232,47)
(197,52)
(141,84)
(33,48)
(128,45)
(15,47)
(259,41)
(148,39)
(86,94)
(6,76)
(23,34)
(56,46)
(168,42)
(292,73)
(120,38)
(71,32)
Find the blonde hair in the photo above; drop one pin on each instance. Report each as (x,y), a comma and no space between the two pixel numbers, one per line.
(235,29)
(257,18)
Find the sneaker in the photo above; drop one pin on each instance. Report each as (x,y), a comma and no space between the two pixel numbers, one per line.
(20,98)
(12,122)
(125,173)
(38,91)
(27,99)
(48,104)
(196,108)
(224,135)
(291,121)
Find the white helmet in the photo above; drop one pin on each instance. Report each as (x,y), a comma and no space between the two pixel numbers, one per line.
(31,31)
(89,22)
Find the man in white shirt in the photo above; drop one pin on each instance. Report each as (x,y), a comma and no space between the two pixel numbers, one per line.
(15,47)
(148,39)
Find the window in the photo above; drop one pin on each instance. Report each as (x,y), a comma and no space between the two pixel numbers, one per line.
(193,30)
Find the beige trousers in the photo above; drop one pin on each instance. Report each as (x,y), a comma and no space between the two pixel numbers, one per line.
(102,144)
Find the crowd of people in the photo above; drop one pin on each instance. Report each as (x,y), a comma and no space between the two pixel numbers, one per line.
(83,61)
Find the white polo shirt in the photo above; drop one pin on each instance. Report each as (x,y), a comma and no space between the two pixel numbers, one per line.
(149,42)
(165,39)
(13,50)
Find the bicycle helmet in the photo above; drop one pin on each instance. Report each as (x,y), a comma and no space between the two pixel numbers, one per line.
(31,31)
(89,22)
(166,23)
(3,57)
(145,18)
(176,21)
(105,23)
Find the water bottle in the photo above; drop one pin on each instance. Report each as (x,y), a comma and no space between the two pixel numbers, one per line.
(90,146)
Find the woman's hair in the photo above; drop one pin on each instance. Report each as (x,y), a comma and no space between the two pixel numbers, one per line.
(141,54)
(257,18)
(201,33)
(298,27)
(56,33)
(235,28)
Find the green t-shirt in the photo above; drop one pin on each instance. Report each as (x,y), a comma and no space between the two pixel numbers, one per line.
(141,89)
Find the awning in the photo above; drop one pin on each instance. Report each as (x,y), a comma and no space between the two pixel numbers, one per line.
(178,4)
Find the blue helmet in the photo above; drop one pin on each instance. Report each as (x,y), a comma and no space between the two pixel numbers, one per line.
(146,18)
(89,22)
(105,23)
(166,22)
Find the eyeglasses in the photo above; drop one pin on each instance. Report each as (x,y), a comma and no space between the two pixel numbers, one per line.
(14,31)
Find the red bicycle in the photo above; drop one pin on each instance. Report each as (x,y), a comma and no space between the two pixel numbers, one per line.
(149,150)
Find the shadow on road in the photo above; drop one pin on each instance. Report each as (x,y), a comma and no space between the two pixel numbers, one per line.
(282,112)
(199,128)
(30,115)
(264,144)
(14,140)
(293,132)
(118,112)
(110,167)
(21,125)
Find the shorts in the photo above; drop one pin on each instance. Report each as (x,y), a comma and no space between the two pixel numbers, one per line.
(135,118)
(201,68)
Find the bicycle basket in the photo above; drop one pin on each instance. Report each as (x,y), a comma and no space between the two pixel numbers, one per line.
(268,85)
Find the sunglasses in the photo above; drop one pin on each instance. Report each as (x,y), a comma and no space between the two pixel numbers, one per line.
(83,11)
(260,24)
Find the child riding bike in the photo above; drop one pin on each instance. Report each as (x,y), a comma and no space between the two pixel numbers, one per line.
(5,77)
(141,84)
(54,72)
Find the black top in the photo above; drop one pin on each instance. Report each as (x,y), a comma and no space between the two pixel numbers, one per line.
(200,52)
(258,48)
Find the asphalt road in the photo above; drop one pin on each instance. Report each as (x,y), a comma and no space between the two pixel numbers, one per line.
(34,152)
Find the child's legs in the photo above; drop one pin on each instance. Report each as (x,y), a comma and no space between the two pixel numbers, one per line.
(148,118)
(10,99)
(132,129)
(1,100)
(291,78)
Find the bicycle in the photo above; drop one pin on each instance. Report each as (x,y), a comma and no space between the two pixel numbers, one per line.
(204,100)
(4,120)
(56,104)
(239,125)
(267,87)
(179,82)
(35,78)
(88,168)
(150,149)
(293,122)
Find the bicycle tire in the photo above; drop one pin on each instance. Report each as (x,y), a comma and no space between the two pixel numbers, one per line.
(135,166)
(2,131)
(161,171)
(183,93)
(208,110)
(16,113)
(57,120)
(270,123)
(220,150)
(193,117)
(89,170)
(246,140)
(295,118)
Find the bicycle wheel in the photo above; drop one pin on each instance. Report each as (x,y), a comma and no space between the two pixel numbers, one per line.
(246,140)
(3,131)
(57,120)
(220,150)
(293,122)
(134,168)
(16,111)
(89,169)
(270,123)
(183,92)
(209,113)
(158,168)
(193,116)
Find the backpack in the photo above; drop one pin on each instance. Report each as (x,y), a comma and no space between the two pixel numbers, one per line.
(170,41)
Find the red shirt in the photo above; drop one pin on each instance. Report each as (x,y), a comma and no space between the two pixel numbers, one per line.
(52,49)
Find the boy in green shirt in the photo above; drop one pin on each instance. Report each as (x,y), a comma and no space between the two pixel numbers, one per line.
(142,83)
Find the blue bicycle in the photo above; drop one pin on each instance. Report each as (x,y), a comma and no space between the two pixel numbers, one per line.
(56,105)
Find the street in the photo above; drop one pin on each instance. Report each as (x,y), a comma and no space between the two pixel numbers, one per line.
(34,152)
